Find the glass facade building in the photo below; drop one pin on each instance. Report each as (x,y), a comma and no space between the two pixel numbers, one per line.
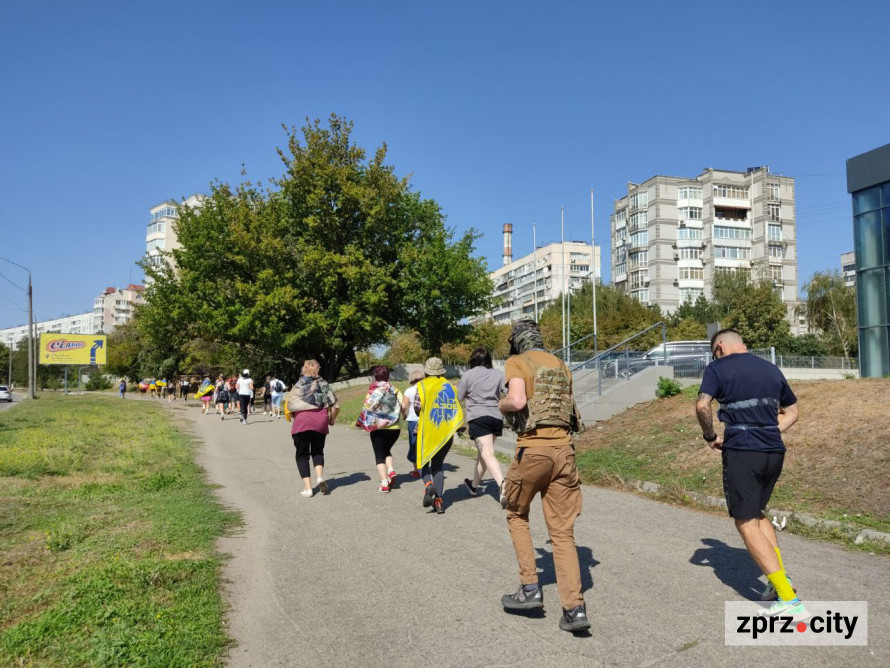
(868,180)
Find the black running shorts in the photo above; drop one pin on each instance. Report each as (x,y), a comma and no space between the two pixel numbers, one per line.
(486,426)
(748,480)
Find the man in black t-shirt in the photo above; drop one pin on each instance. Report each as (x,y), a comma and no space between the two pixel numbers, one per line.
(756,407)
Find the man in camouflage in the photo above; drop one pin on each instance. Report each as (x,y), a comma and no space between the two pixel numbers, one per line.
(539,407)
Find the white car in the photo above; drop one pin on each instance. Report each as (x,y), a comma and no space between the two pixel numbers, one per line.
(5,394)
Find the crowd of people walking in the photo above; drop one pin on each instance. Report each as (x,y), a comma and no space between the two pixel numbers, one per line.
(534,397)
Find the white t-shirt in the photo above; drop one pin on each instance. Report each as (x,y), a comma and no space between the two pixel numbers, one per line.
(244,386)
(410,393)
(277,386)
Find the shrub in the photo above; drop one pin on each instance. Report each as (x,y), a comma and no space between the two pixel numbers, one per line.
(667,387)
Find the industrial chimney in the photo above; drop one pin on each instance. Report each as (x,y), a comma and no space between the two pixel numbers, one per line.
(508,243)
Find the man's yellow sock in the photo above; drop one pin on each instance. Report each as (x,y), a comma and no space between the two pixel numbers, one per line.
(781,565)
(783,588)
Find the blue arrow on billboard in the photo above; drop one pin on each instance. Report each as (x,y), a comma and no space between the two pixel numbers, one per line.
(98,344)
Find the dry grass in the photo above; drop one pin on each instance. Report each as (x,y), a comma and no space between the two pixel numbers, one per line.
(837,462)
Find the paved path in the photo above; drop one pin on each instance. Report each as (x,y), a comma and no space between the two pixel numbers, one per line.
(359,578)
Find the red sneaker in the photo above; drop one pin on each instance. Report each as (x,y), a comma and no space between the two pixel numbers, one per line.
(392,479)
(384,486)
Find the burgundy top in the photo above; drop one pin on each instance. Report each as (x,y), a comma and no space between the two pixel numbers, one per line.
(315,420)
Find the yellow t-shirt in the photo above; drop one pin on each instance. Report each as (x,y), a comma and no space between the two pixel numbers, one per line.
(517,368)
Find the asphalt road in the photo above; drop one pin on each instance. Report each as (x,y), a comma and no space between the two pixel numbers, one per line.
(16,398)
(360,578)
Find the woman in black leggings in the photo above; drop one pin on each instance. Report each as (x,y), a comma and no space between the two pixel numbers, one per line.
(380,416)
(311,426)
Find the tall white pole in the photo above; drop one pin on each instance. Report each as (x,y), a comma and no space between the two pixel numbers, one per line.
(535,270)
(593,271)
(562,216)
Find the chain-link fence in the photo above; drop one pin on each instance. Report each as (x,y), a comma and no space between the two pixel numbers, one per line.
(806,361)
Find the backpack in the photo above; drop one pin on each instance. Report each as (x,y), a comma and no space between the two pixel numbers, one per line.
(278,386)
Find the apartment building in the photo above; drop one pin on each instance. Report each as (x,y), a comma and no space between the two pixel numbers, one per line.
(848,268)
(541,276)
(161,235)
(672,235)
(112,308)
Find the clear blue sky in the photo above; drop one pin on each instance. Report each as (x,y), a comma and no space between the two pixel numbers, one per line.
(502,111)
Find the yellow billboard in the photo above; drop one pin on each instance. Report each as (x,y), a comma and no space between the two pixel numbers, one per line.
(80,349)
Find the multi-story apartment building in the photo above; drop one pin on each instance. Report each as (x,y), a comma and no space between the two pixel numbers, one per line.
(112,308)
(672,235)
(543,275)
(161,235)
(848,268)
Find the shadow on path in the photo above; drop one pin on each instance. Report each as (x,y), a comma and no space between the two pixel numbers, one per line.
(733,566)
(547,571)
(345,481)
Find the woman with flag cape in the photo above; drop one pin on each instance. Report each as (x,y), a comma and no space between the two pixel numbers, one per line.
(440,416)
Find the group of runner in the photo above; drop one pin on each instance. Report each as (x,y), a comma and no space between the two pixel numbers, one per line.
(223,396)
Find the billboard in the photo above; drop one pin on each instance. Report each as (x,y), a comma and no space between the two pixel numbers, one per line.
(82,349)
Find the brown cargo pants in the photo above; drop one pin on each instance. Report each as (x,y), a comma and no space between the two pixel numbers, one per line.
(552,472)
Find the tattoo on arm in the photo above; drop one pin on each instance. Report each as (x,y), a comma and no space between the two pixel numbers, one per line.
(703,413)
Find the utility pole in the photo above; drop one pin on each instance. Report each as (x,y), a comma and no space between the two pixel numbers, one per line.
(32,366)
(593,272)
(535,271)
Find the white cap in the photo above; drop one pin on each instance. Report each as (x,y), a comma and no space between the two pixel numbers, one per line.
(246,372)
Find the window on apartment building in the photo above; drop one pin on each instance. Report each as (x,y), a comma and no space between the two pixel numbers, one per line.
(638,239)
(732,253)
(641,296)
(774,232)
(688,233)
(688,192)
(726,190)
(774,212)
(727,271)
(621,254)
(690,212)
(638,258)
(691,295)
(639,220)
(776,251)
(775,273)
(621,235)
(689,253)
(638,279)
(691,273)
(727,213)
(620,216)
(639,200)
(620,268)
(731,233)
(772,191)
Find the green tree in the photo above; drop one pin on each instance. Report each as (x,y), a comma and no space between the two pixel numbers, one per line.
(619,316)
(807,344)
(830,307)
(322,263)
(759,314)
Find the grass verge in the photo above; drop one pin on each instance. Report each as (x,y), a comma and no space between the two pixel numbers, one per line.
(107,532)
(835,466)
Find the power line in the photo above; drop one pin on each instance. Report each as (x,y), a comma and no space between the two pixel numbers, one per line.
(17,307)
(13,283)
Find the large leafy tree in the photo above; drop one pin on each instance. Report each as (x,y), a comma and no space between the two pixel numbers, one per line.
(322,262)
(830,308)
(759,315)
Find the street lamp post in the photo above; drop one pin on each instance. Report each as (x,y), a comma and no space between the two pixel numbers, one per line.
(31,356)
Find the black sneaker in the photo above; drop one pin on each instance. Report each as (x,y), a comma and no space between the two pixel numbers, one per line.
(429,495)
(469,485)
(575,619)
(523,600)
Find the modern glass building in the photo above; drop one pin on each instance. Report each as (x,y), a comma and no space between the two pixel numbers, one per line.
(868,180)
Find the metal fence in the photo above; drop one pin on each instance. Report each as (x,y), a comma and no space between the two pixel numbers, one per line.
(806,361)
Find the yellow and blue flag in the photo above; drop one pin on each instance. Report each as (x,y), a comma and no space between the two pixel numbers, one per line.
(440,416)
